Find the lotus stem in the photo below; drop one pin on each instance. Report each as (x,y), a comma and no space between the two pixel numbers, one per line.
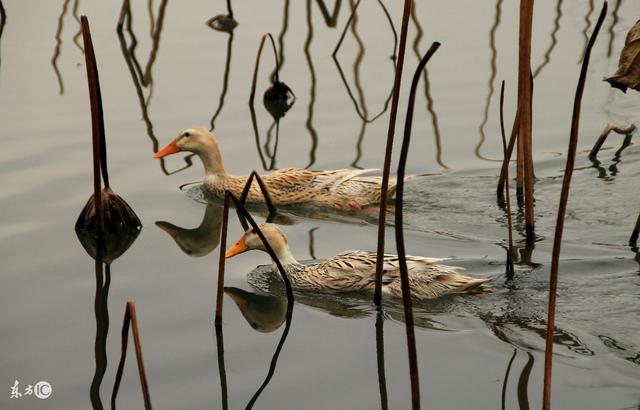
(562,208)
(509,269)
(605,133)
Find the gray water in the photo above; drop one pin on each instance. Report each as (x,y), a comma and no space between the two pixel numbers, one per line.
(471,349)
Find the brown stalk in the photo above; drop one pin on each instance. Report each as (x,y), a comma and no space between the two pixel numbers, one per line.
(266,244)
(402,259)
(124,10)
(636,232)
(221,261)
(509,269)
(130,318)
(562,208)
(221,368)
(97,123)
(605,133)
(257,66)
(525,97)
(384,190)
(263,188)
(505,164)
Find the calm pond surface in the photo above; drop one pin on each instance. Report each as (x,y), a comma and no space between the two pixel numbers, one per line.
(481,352)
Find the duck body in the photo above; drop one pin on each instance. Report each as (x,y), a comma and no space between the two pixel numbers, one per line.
(355,270)
(340,189)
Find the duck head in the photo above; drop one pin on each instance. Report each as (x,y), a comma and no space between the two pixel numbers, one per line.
(272,233)
(201,142)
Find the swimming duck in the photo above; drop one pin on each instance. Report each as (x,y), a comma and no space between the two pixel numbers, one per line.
(355,270)
(341,189)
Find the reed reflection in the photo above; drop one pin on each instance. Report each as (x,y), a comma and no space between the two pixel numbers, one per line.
(427,88)
(58,47)
(3,21)
(330,19)
(364,116)
(104,250)
(145,80)
(265,314)
(313,134)
(492,77)
(612,28)
(585,32)
(554,39)
(225,82)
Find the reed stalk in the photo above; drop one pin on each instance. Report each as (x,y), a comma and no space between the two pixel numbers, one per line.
(97,123)
(525,98)
(562,208)
(242,213)
(509,268)
(384,190)
(221,368)
(221,260)
(635,233)
(125,10)
(257,66)
(131,319)
(507,160)
(402,258)
(605,133)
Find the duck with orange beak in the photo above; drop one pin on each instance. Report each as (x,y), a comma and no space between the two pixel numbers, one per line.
(339,189)
(353,271)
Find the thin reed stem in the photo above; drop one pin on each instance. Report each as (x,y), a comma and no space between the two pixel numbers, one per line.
(124,11)
(263,189)
(507,160)
(221,260)
(525,98)
(97,123)
(402,258)
(266,244)
(509,269)
(131,319)
(257,66)
(635,233)
(562,208)
(221,369)
(384,190)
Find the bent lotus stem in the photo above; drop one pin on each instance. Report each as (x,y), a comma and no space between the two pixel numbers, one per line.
(562,208)
(605,133)
(266,244)
(402,258)
(509,269)
(636,232)
(505,164)
(384,189)
(263,189)
(97,125)
(131,319)
(257,66)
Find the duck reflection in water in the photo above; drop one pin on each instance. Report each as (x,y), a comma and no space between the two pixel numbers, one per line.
(199,241)
(264,313)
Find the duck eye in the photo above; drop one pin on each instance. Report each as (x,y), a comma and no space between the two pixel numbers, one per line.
(186,134)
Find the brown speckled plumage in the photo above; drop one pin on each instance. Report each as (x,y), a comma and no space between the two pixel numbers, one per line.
(341,189)
(355,270)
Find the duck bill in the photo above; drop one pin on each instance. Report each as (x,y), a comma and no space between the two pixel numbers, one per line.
(238,248)
(171,148)
(172,230)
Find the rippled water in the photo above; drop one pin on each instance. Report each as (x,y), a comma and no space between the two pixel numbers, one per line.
(482,351)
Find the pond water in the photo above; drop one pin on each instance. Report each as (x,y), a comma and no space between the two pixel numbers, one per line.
(172,71)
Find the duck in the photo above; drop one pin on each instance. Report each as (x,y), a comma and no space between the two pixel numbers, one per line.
(339,189)
(353,271)
(200,241)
